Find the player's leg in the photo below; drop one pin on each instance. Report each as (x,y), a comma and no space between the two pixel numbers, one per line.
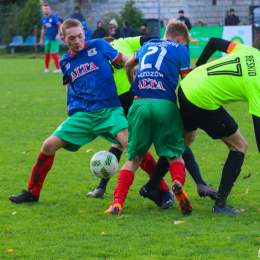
(54,50)
(190,127)
(71,135)
(40,169)
(126,100)
(237,148)
(168,141)
(125,180)
(139,141)
(218,124)
(47,49)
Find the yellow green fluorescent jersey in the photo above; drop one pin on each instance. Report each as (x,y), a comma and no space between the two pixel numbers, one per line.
(128,47)
(235,77)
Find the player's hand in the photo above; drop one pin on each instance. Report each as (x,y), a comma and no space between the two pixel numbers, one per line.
(41,43)
(57,37)
(194,67)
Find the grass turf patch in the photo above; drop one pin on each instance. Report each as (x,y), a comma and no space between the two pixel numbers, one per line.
(65,224)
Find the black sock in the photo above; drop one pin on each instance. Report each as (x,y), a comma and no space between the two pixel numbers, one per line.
(103,182)
(159,172)
(230,173)
(192,166)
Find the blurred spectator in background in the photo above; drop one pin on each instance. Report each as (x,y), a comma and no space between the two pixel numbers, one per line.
(51,26)
(143,30)
(114,30)
(77,14)
(184,19)
(88,32)
(232,19)
(127,30)
(99,32)
(58,15)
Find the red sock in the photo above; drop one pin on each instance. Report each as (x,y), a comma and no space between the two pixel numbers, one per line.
(47,60)
(39,172)
(56,60)
(148,164)
(124,182)
(177,171)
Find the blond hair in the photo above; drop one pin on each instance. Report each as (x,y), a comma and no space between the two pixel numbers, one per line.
(70,23)
(175,29)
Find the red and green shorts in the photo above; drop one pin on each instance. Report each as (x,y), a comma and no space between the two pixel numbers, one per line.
(158,122)
(83,127)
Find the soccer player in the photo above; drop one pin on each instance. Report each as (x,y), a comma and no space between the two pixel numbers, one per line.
(207,89)
(154,116)
(93,104)
(128,46)
(51,26)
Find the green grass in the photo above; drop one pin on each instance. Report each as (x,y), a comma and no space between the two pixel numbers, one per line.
(65,224)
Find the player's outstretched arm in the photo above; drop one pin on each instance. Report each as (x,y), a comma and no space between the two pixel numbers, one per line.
(124,59)
(42,35)
(129,66)
(256,121)
(213,45)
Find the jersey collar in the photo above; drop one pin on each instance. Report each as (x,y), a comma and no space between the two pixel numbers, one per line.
(48,16)
(85,46)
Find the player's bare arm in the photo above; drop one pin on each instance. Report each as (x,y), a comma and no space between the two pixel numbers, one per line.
(124,59)
(184,75)
(129,66)
(43,30)
(59,31)
(256,121)
(213,45)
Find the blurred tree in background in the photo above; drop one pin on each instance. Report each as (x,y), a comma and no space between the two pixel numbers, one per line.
(29,16)
(132,14)
(129,12)
(18,17)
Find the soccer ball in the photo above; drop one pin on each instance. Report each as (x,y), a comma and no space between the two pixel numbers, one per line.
(104,164)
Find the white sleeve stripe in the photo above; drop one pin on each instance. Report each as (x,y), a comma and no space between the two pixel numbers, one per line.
(187,68)
(116,57)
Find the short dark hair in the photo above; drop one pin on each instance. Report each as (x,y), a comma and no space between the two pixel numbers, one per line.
(231,10)
(69,23)
(176,28)
(108,39)
(76,8)
(46,4)
(181,12)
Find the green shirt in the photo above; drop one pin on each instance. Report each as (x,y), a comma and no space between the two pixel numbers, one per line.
(128,47)
(235,77)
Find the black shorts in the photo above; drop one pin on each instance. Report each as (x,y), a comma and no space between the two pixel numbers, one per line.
(126,101)
(216,123)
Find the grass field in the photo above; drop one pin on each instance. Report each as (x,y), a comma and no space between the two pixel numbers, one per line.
(65,224)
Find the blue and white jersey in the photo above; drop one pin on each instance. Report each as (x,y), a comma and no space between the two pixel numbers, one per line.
(89,76)
(51,23)
(160,64)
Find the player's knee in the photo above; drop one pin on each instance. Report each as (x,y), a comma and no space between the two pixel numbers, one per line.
(239,146)
(243,145)
(189,138)
(48,147)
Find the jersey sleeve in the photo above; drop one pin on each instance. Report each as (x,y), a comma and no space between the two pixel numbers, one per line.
(56,19)
(234,47)
(185,62)
(254,103)
(65,79)
(111,54)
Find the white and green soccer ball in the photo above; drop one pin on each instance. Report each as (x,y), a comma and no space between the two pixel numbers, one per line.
(104,164)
